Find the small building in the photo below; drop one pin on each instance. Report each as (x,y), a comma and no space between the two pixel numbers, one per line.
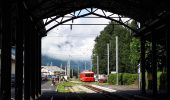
(51,70)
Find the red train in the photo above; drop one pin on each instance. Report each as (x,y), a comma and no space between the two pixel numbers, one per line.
(87,76)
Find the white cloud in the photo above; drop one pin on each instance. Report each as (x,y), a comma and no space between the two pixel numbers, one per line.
(78,42)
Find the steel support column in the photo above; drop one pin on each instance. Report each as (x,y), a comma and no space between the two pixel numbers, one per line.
(154,65)
(143,64)
(36,64)
(27,53)
(39,65)
(6,52)
(19,54)
(167,58)
(32,61)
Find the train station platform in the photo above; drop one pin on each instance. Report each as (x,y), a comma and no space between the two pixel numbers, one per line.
(79,92)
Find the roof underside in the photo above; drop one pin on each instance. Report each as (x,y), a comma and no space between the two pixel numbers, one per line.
(141,11)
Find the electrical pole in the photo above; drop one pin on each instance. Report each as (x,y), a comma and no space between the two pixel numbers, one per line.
(72,72)
(51,64)
(61,68)
(91,66)
(78,72)
(97,66)
(68,67)
(108,59)
(65,70)
(139,76)
(117,59)
(85,65)
(60,72)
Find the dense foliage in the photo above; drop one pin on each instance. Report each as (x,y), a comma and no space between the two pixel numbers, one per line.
(128,49)
(124,78)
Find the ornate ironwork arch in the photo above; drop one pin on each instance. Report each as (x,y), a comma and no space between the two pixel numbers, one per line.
(60,20)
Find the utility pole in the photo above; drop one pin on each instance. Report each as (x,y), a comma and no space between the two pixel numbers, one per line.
(85,65)
(117,59)
(78,71)
(61,68)
(51,64)
(65,70)
(60,72)
(68,67)
(91,65)
(97,66)
(139,76)
(108,59)
(72,72)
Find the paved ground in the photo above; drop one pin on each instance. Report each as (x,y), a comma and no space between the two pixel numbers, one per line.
(47,86)
(12,93)
(81,89)
(49,93)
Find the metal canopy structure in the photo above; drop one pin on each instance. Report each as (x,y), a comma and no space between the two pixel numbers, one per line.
(148,9)
(22,26)
(120,20)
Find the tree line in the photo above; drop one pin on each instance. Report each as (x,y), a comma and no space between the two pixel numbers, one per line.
(129,49)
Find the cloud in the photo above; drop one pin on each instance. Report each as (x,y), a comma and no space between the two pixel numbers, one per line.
(78,42)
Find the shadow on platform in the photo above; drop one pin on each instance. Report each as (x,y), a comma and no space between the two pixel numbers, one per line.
(120,95)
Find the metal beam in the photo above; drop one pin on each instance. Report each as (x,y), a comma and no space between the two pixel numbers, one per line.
(66,21)
(90,24)
(84,15)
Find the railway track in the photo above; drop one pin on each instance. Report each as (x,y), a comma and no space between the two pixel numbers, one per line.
(102,92)
(97,90)
(116,95)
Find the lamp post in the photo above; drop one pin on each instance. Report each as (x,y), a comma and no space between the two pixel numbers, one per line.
(97,67)
(108,59)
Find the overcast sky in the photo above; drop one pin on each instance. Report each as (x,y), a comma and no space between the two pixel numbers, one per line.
(77,42)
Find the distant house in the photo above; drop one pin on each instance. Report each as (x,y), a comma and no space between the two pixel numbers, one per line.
(51,70)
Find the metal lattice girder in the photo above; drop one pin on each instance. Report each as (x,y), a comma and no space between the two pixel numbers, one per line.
(84,13)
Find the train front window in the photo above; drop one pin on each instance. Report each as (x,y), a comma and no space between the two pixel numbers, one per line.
(89,75)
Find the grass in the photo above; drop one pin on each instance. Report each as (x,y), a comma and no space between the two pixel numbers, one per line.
(62,87)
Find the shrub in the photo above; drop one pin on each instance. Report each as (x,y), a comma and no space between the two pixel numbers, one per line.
(124,78)
(112,79)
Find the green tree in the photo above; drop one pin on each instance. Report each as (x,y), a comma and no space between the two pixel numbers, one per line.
(108,36)
(134,49)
